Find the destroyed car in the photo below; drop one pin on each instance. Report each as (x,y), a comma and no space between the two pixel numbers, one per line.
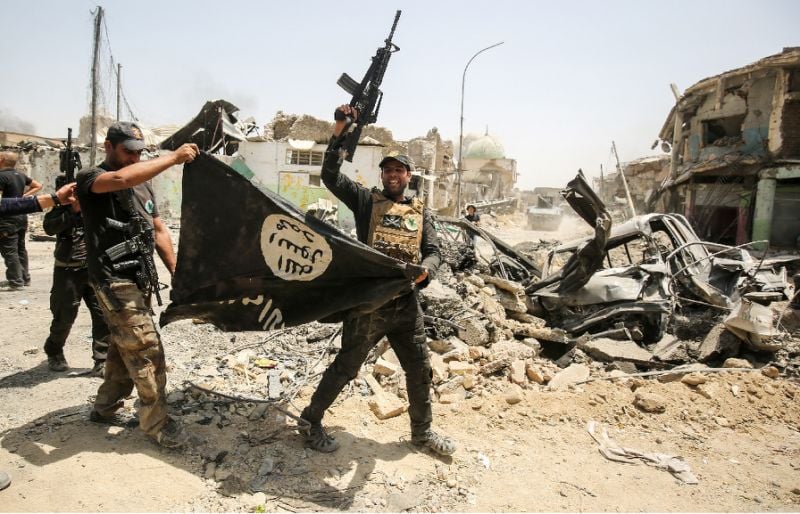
(457,239)
(648,266)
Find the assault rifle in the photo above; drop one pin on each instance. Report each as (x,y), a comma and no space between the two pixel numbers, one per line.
(68,161)
(367,98)
(139,243)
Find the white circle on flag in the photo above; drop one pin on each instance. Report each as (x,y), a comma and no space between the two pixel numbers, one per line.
(293,251)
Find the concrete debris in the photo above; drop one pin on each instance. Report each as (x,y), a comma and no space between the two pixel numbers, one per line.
(770,371)
(383,405)
(737,363)
(385,368)
(670,349)
(693,379)
(571,375)
(608,350)
(650,402)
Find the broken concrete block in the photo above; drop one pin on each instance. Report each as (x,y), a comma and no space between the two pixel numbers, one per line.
(385,368)
(533,344)
(513,348)
(258,411)
(461,368)
(511,302)
(469,381)
(451,386)
(524,317)
(475,280)
(706,391)
(390,356)
(474,333)
(608,350)
(570,375)
(628,368)
(718,343)
(737,363)
(670,349)
(478,353)
(517,374)
(383,405)
(495,366)
(555,335)
(274,384)
(439,368)
(533,374)
(493,309)
(440,346)
(694,379)
(386,406)
(650,402)
(503,284)
(514,394)
(440,300)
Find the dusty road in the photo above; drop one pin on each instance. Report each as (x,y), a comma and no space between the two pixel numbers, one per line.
(739,433)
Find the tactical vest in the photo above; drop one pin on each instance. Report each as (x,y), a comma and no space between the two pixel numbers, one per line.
(395,229)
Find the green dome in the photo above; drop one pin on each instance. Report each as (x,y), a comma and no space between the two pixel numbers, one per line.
(485,147)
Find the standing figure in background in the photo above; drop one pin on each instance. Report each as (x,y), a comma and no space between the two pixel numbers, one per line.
(70,286)
(14,229)
(472,215)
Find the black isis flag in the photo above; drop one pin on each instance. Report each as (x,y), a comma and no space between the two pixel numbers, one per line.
(250,260)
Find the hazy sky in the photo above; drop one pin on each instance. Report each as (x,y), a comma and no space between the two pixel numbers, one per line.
(570,77)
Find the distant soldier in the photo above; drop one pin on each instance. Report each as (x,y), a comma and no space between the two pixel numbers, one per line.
(14,229)
(70,286)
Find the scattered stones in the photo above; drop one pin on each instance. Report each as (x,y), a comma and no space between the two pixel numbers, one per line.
(517,374)
(693,379)
(737,363)
(570,375)
(461,368)
(608,350)
(514,394)
(385,368)
(770,372)
(495,366)
(650,402)
(474,333)
(383,405)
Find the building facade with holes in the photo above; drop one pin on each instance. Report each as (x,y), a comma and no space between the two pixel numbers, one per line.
(735,153)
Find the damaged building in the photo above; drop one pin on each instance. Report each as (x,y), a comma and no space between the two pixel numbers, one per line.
(488,175)
(735,142)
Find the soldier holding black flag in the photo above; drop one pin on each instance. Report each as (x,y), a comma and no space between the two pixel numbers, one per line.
(122,229)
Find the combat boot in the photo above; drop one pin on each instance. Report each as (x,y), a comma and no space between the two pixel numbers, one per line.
(172,435)
(437,443)
(57,362)
(318,439)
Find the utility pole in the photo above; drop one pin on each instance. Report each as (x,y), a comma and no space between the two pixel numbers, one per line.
(460,168)
(624,182)
(602,186)
(119,86)
(98,21)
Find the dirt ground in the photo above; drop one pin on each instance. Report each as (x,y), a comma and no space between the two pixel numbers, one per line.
(739,434)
